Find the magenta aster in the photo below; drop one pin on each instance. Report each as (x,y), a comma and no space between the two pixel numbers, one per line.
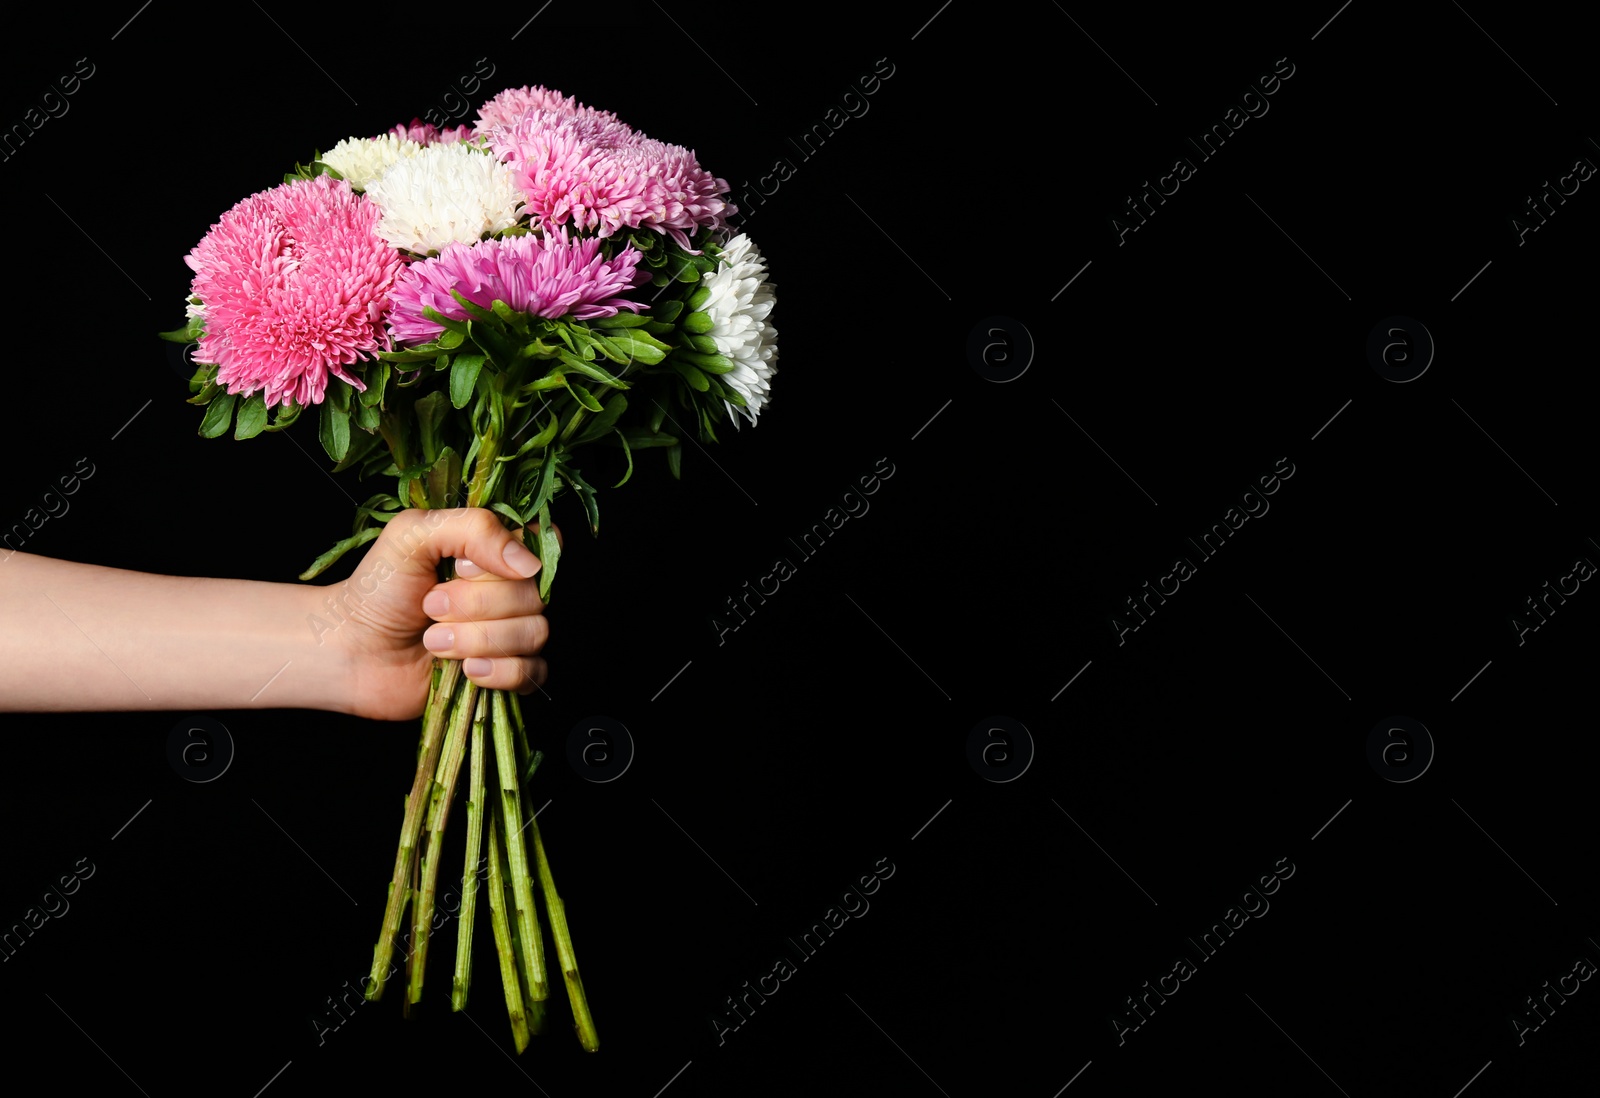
(294,282)
(426,133)
(599,174)
(547,276)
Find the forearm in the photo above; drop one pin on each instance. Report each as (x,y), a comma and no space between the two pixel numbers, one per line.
(80,637)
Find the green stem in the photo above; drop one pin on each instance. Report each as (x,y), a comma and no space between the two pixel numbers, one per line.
(582,1020)
(411,954)
(416,805)
(469,874)
(516,853)
(555,909)
(444,791)
(509,977)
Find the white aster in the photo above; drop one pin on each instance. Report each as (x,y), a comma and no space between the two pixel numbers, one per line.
(738,306)
(362,159)
(445,193)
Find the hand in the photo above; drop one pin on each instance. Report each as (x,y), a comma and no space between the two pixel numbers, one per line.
(492,618)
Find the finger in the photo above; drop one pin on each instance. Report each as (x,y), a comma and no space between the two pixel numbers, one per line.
(466,569)
(476,600)
(489,639)
(524,674)
(424,538)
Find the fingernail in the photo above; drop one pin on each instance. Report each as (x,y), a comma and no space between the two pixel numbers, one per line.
(476,668)
(439,640)
(519,560)
(466,569)
(436,605)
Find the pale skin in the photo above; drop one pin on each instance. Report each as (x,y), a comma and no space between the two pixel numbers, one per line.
(81,637)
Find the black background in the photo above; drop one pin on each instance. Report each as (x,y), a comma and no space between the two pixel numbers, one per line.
(828,730)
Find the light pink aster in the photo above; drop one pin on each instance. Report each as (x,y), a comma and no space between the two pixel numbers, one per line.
(295,283)
(600,175)
(548,276)
(426,133)
(513,103)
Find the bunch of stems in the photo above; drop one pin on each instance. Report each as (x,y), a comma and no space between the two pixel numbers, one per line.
(484,727)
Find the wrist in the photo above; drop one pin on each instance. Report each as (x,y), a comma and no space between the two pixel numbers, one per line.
(328,665)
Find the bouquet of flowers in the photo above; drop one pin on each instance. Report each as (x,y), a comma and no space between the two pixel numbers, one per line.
(467,310)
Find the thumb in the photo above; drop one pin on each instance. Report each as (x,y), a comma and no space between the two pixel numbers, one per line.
(425,537)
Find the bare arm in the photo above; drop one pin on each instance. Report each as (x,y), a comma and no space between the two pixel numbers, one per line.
(81,637)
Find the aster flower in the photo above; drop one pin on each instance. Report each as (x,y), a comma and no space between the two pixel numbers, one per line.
(596,173)
(426,133)
(295,281)
(362,159)
(548,276)
(511,104)
(444,194)
(740,299)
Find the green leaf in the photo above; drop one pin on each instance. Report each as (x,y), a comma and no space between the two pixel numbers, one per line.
(657,416)
(604,421)
(472,308)
(449,341)
(698,323)
(641,440)
(668,310)
(334,430)
(699,297)
(431,412)
(623,319)
(635,345)
(189,333)
(382,507)
(591,504)
(597,373)
(464,377)
(284,415)
(547,480)
(508,511)
(549,552)
(339,394)
(444,479)
(583,396)
(252,417)
(206,393)
(500,348)
(321,564)
(459,327)
(694,377)
(711,363)
(377,382)
(538,441)
(422,353)
(518,321)
(366,416)
(628,450)
(219,414)
(675,461)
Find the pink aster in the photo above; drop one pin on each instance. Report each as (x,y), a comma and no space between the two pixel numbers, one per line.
(426,133)
(598,174)
(295,283)
(513,103)
(547,276)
